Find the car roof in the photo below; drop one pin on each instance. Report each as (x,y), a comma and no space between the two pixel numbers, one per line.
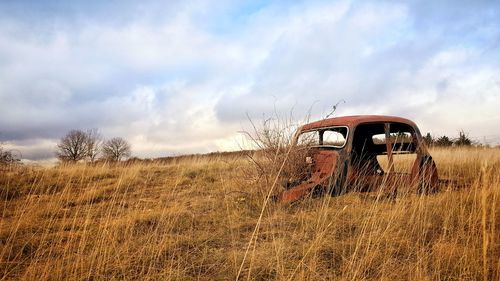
(354,120)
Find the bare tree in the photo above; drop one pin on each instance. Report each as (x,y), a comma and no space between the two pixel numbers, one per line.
(93,144)
(73,146)
(116,149)
(8,157)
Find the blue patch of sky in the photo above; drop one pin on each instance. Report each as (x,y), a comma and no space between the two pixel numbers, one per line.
(233,18)
(72,14)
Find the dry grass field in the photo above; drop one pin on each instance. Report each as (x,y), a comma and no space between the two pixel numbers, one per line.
(204,218)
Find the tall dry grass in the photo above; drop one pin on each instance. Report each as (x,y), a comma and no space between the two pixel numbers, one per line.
(196,219)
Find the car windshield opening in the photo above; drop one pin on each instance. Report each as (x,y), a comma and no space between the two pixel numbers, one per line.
(335,137)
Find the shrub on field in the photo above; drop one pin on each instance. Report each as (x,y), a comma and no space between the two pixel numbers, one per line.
(463,139)
(276,157)
(429,140)
(443,141)
(8,157)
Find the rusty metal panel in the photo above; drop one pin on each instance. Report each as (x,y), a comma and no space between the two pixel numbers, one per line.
(325,163)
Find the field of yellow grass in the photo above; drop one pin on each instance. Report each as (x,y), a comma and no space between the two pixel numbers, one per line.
(203,218)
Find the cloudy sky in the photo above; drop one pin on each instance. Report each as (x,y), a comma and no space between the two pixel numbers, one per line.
(181,76)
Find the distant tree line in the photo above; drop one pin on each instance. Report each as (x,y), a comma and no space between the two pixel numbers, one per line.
(78,145)
(445,141)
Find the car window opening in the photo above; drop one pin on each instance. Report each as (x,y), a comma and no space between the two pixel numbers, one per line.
(332,137)
(372,142)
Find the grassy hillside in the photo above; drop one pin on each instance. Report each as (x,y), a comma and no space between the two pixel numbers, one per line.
(203,218)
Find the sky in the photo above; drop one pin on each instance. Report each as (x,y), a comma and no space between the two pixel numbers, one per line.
(175,77)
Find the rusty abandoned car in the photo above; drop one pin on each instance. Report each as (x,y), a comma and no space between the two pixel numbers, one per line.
(357,153)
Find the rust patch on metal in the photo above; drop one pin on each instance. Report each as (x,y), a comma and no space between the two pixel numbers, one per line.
(324,166)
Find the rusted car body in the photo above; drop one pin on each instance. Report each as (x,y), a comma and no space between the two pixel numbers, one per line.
(346,154)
